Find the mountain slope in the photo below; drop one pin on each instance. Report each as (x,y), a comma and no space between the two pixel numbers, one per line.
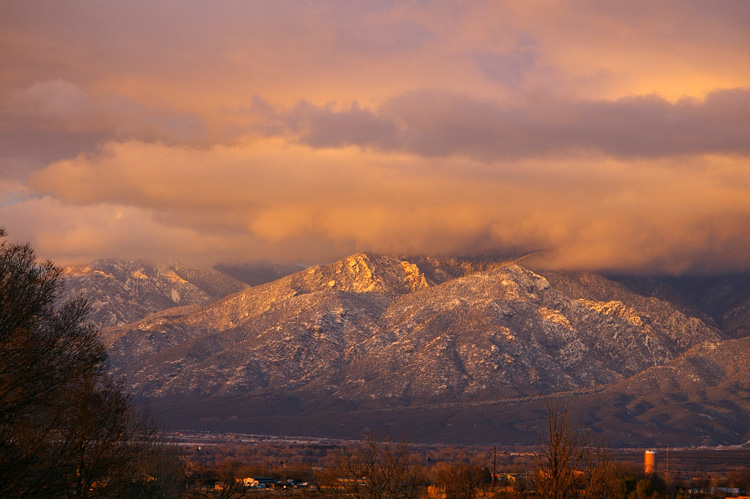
(379,330)
(701,398)
(723,300)
(123,291)
(703,395)
(451,350)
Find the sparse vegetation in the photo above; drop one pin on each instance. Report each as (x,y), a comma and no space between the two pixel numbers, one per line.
(317,469)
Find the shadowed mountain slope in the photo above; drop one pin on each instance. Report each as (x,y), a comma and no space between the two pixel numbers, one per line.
(723,300)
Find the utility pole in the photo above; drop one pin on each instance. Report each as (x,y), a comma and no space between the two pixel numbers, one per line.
(494,468)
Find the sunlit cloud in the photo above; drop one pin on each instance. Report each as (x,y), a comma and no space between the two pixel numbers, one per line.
(608,135)
(282,201)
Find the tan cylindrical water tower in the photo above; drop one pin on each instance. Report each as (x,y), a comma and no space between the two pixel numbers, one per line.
(649,462)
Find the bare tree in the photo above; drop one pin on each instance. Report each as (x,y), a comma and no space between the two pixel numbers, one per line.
(599,478)
(558,462)
(229,480)
(462,479)
(567,466)
(377,470)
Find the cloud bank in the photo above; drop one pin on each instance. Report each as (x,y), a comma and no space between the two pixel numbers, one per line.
(439,124)
(609,136)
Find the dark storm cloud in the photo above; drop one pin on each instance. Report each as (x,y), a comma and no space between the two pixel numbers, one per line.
(437,123)
(327,127)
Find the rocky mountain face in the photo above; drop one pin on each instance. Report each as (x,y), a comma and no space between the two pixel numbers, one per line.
(121,291)
(124,291)
(413,343)
(452,350)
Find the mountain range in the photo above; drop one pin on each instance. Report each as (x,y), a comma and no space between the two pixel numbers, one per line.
(455,350)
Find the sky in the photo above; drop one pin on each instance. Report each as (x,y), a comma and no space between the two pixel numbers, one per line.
(606,135)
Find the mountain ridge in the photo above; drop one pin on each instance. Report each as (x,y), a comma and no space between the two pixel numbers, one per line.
(341,347)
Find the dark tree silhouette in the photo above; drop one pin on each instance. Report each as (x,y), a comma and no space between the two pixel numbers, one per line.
(66,429)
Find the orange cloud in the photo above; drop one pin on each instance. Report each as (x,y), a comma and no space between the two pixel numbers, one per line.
(284,201)
(612,135)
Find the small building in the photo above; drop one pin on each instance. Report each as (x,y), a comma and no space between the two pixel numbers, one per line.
(260,482)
